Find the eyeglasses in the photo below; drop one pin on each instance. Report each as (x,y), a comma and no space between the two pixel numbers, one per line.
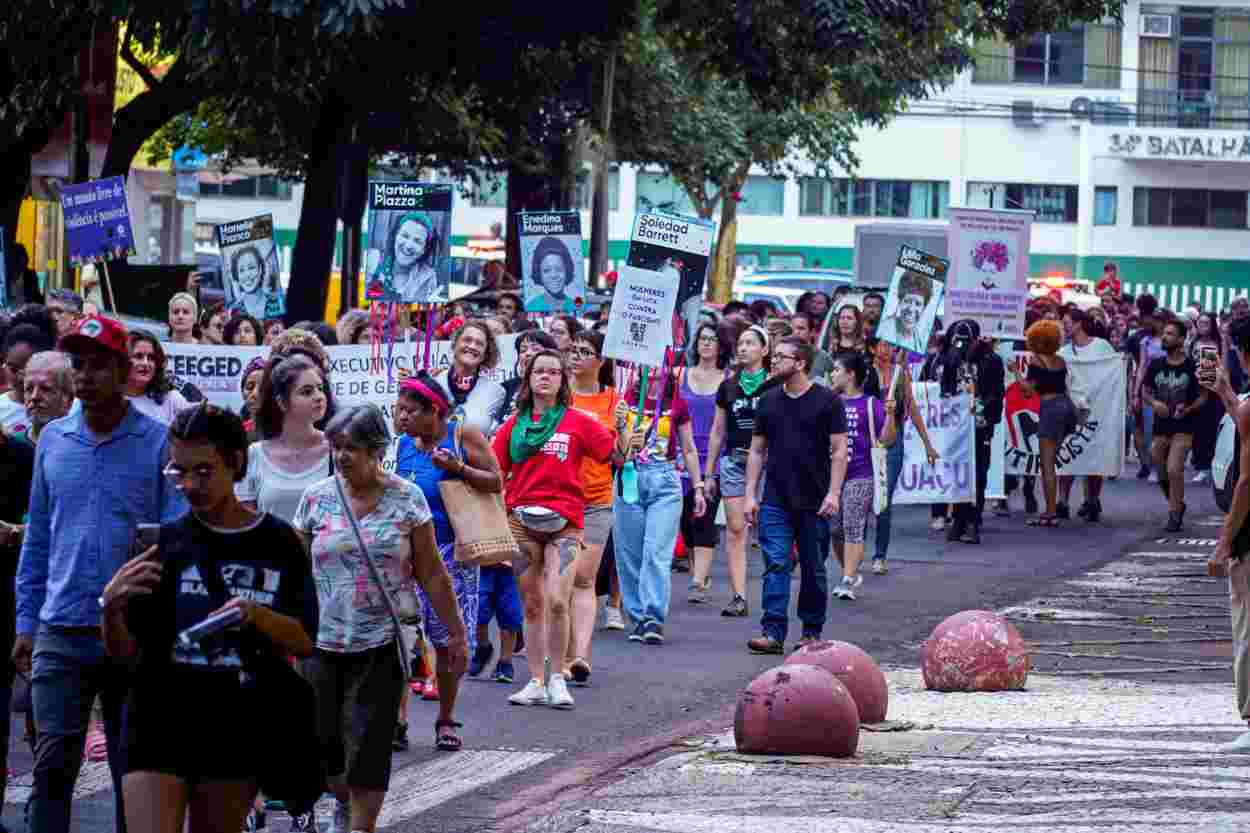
(785,357)
(708,339)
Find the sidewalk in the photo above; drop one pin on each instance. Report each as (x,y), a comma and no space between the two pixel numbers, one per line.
(1065,755)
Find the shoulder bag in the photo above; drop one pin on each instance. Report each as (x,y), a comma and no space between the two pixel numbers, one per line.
(401,602)
(478,518)
(880,463)
(290,765)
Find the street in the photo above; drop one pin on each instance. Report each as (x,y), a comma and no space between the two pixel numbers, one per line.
(1152,618)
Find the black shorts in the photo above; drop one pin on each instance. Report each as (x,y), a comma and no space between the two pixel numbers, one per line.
(196,732)
(357,709)
(702,531)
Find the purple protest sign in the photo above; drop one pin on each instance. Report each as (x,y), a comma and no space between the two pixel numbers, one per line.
(97,221)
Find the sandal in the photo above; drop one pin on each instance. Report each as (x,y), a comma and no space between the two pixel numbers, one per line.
(1049,521)
(579,671)
(448,741)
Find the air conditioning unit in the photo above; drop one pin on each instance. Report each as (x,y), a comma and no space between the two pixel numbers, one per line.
(1156,26)
(1025,114)
(1079,111)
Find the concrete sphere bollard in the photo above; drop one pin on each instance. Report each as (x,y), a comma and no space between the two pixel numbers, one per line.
(976,650)
(855,669)
(796,710)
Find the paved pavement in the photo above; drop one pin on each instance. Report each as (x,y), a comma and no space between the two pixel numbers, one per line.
(1118,604)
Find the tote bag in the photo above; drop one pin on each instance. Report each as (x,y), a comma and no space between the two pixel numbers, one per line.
(880,465)
(479,520)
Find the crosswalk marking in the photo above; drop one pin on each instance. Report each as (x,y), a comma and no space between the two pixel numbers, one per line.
(93,778)
(417,788)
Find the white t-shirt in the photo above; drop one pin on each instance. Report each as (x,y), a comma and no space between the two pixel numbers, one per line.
(274,490)
(13,419)
(165,411)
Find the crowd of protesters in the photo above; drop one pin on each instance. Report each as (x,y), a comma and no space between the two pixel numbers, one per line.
(311,524)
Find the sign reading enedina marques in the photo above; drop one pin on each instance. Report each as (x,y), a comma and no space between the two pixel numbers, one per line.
(1191,147)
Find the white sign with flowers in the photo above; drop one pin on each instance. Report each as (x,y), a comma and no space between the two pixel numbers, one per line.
(988,281)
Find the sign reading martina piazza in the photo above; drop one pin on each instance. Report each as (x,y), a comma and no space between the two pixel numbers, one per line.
(1178,145)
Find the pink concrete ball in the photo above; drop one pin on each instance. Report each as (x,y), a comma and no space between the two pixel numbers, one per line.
(855,669)
(976,650)
(796,710)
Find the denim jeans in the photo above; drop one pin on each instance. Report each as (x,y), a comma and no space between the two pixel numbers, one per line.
(68,671)
(780,529)
(894,468)
(644,534)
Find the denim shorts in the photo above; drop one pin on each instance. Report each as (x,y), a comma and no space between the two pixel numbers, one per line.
(597,525)
(733,475)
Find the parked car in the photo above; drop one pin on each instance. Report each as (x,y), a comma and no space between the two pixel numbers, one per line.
(804,280)
(1065,291)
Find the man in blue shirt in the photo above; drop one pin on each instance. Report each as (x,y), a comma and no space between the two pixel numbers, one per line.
(98,473)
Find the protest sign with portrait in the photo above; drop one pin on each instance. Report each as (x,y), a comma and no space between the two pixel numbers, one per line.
(251,272)
(408,260)
(989,269)
(553,271)
(681,248)
(913,301)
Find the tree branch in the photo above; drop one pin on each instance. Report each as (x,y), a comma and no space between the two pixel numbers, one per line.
(135,64)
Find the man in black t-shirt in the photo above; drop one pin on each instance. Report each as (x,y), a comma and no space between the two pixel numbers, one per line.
(801,427)
(1170,386)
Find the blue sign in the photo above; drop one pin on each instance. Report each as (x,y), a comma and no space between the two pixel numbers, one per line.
(97,221)
(187,158)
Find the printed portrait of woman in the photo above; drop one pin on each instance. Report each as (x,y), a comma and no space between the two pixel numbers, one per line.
(905,323)
(407,269)
(551,284)
(254,286)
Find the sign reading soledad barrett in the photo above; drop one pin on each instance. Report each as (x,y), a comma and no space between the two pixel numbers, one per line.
(97,221)
(681,248)
(553,271)
(408,261)
(989,274)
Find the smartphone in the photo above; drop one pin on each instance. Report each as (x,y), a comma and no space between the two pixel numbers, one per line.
(211,626)
(146,535)
(1208,362)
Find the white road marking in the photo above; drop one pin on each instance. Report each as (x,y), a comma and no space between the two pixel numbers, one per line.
(417,788)
(1122,744)
(1051,797)
(1159,776)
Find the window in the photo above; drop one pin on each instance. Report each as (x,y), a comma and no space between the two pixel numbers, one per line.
(586,187)
(1189,208)
(1105,199)
(1050,203)
(873,198)
(490,190)
(659,192)
(1200,77)
(1084,56)
(264,186)
(763,196)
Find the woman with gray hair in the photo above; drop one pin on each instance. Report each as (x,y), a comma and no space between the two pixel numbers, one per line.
(368,532)
(353,326)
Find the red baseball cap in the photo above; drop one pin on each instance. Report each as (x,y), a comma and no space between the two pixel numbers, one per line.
(105,333)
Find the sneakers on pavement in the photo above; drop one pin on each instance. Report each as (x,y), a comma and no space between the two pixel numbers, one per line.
(1240,746)
(1144,472)
(1201,477)
(845,589)
(304,823)
(400,743)
(639,629)
(806,639)
(653,633)
(736,607)
(879,567)
(558,696)
(255,820)
(696,594)
(342,821)
(937,524)
(765,645)
(1153,477)
(504,671)
(1174,522)
(534,694)
(481,658)
(612,619)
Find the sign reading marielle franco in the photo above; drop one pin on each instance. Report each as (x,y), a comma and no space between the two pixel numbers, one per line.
(1214,145)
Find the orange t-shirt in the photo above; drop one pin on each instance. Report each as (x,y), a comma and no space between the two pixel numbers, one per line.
(597,477)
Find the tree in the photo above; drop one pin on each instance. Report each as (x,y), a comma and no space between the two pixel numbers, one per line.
(709,90)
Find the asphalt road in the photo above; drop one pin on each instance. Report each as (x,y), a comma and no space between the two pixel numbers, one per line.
(520,763)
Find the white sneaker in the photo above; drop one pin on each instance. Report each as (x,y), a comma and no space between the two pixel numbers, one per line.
(1201,477)
(612,620)
(937,524)
(1154,477)
(879,567)
(857,580)
(534,694)
(845,589)
(558,696)
(342,821)
(1240,746)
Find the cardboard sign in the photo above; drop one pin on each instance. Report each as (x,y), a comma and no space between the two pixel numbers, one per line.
(553,271)
(408,260)
(913,300)
(97,221)
(989,253)
(250,267)
(640,321)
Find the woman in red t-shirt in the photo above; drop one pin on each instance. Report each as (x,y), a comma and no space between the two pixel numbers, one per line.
(540,451)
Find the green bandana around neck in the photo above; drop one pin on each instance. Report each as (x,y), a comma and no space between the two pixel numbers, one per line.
(750,382)
(528,436)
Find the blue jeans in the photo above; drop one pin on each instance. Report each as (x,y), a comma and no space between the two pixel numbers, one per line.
(644,534)
(894,467)
(68,671)
(779,530)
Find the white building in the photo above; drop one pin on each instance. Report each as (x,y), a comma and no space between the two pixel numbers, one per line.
(1131,142)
